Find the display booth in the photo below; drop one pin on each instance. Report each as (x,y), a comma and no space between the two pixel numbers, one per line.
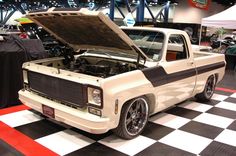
(13,53)
(225,19)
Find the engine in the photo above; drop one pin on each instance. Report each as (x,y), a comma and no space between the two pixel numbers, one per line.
(100,67)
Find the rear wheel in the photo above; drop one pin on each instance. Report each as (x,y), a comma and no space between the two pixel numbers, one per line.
(133,118)
(208,90)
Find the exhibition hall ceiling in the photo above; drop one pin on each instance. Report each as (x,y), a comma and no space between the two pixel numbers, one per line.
(223,2)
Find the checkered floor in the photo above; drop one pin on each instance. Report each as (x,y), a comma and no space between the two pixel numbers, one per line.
(190,128)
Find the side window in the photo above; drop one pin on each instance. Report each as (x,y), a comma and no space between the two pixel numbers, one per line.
(176,48)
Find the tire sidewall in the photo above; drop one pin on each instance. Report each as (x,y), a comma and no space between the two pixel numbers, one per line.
(125,110)
(205,89)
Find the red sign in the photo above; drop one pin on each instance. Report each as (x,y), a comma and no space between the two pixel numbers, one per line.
(202,4)
(48,111)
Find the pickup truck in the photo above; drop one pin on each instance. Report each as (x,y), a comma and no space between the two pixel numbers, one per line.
(112,78)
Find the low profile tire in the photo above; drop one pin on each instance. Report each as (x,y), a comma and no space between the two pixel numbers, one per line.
(133,118)
(208,90)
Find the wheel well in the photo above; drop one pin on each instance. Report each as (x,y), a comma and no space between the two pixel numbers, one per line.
(208,90)
(216,77)
(137,117)
(150,100)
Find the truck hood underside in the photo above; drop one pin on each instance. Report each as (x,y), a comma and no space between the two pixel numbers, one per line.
(83,29)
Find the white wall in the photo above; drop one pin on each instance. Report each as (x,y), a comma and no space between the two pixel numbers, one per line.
(155,10)
(16,15)
(181,13)
(184,13)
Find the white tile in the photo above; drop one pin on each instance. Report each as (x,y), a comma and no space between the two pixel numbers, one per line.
(186,141)
(233,95)
(226,105)
(219,97)
(196,106)
(130,147)
(169,120)
(65,142)
(20,118)
(214,120)
(227,137)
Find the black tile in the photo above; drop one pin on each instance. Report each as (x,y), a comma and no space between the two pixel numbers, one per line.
(96,149)
(183,112)
(156,131)
(211,102)
(230,99)
(201,129)
(35,112)
(159,149)
(40,128)
(223,92)
(8,150)
(222,112)
(232,126)
(95,137)
(217,148)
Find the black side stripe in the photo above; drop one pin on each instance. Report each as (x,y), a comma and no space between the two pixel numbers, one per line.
(204,69)
(158,76)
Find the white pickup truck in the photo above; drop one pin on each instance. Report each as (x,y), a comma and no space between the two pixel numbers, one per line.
(115,78)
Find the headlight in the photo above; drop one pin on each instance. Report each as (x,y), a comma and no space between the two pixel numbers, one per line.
(95,96)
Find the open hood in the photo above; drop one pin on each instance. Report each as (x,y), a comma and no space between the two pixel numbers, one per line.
(84,29)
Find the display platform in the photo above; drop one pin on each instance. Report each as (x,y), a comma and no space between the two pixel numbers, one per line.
(189,128)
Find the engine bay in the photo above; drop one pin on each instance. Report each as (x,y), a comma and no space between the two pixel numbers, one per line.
(94,66)
(100,67)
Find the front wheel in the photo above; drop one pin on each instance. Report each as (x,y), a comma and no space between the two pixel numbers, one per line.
(133,118)
(208,90)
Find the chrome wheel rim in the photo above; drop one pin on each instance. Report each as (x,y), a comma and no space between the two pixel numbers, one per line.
(210,86)
(136,116)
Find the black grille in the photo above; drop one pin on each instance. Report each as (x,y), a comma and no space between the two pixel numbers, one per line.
(65,91)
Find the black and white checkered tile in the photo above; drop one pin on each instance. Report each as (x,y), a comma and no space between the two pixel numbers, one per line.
(190,128)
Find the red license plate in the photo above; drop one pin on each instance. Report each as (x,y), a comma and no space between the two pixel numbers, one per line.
(48,111)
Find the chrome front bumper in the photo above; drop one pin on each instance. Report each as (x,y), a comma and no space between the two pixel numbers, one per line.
(75,117)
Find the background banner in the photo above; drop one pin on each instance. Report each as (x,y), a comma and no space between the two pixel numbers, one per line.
(202,4)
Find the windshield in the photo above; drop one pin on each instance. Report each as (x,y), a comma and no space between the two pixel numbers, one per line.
(149,42)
